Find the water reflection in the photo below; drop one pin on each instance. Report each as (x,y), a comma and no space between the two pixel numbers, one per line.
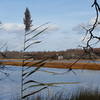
(9,86)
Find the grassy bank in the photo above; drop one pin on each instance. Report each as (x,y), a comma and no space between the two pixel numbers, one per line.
(56,64)
(83,94)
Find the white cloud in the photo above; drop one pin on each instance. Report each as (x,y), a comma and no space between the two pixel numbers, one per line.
(81,27)
(13,34)
(52,38)
(53,28)
(12,27)
(85,26)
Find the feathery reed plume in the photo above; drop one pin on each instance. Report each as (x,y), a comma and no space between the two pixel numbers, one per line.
(27,20)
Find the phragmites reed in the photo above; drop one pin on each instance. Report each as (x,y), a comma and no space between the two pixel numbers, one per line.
(26,83)
(27,20)
(27,44)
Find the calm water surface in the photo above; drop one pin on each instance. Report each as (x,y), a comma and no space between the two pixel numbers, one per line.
(10,86)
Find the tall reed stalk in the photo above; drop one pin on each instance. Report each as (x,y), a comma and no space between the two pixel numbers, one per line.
(27,44)
(26,83)
(27,23)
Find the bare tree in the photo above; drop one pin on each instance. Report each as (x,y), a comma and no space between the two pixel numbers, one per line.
(3,54)
(90,32)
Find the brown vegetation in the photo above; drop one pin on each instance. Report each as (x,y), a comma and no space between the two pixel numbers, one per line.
(56,64)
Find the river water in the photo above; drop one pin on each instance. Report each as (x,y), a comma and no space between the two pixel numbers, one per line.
(10,85)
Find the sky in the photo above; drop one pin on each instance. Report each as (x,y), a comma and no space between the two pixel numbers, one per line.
(64,17)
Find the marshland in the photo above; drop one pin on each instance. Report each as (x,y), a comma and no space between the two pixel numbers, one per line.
(50,50)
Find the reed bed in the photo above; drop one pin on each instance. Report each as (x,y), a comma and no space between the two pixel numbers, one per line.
(82,94)
(89,66)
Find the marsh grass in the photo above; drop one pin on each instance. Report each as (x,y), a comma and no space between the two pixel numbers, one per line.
(81,94)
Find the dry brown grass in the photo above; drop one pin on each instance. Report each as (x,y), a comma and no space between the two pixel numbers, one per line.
(91,66)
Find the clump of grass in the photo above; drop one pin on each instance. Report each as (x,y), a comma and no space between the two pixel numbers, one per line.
(82,94)
(85,94)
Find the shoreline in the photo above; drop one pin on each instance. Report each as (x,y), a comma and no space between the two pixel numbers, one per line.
(55,64)
(52,60)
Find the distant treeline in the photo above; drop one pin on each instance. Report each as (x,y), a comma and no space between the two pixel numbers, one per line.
(68,54)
